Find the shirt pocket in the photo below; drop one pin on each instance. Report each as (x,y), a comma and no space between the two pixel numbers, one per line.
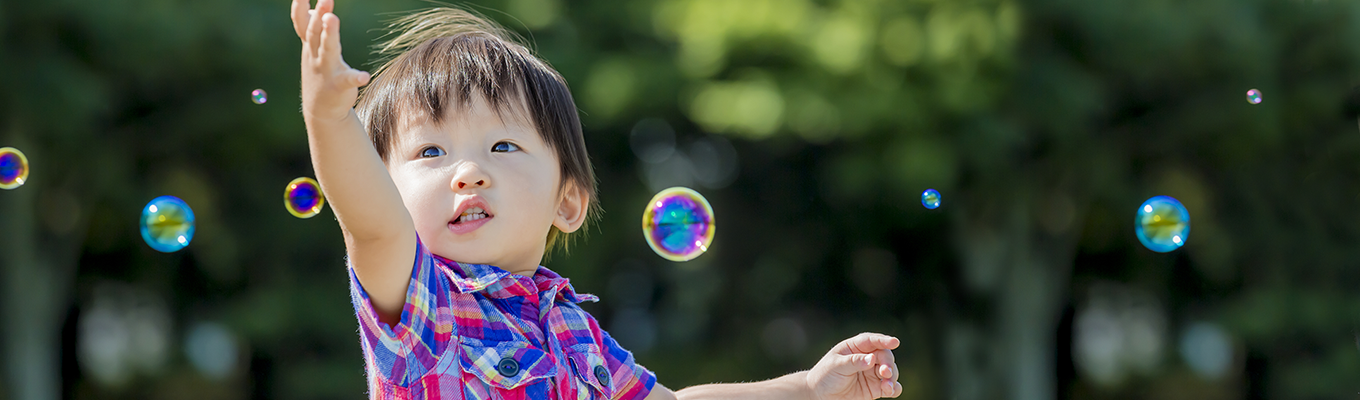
(504,365)
(593,377)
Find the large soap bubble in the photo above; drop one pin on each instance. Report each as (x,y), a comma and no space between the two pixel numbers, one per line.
(678,224)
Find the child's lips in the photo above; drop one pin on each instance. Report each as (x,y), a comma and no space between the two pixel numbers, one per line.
(460,227)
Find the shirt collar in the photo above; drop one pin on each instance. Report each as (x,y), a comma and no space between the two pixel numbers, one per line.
(499,283)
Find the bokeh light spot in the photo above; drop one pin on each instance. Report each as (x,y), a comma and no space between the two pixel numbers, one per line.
(212,350)
(1207,349)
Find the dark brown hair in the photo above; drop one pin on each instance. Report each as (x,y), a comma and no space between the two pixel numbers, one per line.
(441,57)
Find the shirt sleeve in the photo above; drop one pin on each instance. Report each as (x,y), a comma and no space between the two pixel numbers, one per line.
(401,354)
(631,380)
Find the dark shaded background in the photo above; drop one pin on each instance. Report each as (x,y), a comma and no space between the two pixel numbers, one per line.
(812,126)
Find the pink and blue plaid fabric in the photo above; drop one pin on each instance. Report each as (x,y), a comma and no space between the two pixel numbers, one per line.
(479,332)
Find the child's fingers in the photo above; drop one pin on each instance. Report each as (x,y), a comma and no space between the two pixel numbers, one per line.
(885,357)
(298,14)
(886,372)
(868,342)
(325,6)
(314,27)
(852,364)
(889,389)
(329,53)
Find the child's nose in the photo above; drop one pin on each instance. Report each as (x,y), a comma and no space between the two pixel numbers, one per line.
(470,176)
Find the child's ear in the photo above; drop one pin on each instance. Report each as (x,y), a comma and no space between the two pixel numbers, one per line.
(571,209)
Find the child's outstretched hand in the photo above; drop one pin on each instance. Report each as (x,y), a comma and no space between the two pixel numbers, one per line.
(329,86)
(858,368)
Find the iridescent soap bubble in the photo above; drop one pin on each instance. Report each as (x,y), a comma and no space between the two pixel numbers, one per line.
(167,224)
(13,168)
(303,198)
(259,96)
(1254,96)
(1162,224)
(678,224)
(930,198)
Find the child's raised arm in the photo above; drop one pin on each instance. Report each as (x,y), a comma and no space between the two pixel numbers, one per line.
(379,234)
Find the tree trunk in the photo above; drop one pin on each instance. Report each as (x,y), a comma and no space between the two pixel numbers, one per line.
(36,274)
(1015,273)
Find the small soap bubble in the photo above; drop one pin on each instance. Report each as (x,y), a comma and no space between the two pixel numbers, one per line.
(303,198)
(678,224)
(930,199)
(1162,224)
(1254,96)
(167,224)
(259,96)
(13,168)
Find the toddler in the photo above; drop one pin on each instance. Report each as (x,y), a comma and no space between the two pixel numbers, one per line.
(456,169)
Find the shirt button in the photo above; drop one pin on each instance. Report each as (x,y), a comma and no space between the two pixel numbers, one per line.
(508,367)
(602,375)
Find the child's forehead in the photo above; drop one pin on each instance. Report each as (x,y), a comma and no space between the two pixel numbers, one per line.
(477,114)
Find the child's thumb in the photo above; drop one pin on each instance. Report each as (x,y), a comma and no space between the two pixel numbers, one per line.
(358,78)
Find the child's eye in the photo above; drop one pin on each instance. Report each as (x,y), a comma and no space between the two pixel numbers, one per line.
(430,152)
(504,147)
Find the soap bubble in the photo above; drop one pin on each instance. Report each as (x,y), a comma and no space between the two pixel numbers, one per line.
(678,224)
(303,198)
(1162,224)
(259,96)
(1254,96)
(13,168)
(167,224)
(930,198)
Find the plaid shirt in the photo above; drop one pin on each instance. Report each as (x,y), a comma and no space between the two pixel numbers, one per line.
(472,331)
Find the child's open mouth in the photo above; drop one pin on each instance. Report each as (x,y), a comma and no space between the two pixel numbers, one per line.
(473,217)
(472,214)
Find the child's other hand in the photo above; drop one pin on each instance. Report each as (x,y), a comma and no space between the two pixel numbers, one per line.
(861,367)
(329,86)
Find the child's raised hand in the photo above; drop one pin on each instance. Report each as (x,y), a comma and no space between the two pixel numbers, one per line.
(329,86)
(861,367)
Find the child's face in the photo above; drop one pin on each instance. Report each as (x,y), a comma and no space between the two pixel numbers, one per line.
(482,188)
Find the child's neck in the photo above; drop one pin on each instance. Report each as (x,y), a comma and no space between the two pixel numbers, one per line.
(520,267)
(523,264)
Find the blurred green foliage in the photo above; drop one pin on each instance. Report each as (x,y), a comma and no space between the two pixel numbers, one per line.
(1044,123)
